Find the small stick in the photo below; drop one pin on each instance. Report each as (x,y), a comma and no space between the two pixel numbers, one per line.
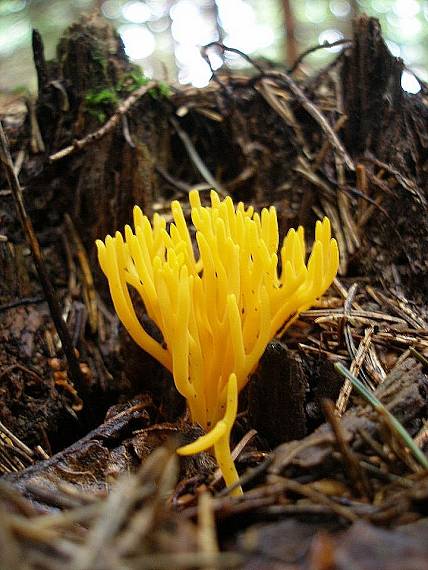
(16,441)
(422,359)
(27,226)
(362,187)
(89,294)
(422,437)
(356,366)
(247,477)
(206,529)
(235,453)
(405,182)
(357,476)
(310,492)
(324,45)
(319,159)
(22,302)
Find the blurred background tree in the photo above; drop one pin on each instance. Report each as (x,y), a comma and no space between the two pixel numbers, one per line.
(164,36)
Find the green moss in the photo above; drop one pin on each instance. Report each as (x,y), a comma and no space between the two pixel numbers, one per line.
(99,103)
(102,97)
(136,79)
(132,81)
(99,57)
(162,90)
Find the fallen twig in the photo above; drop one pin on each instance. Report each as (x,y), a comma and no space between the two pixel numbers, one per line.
(108,126)
(357,476)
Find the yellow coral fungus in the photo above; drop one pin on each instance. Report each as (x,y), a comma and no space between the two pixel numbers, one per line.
(216,312)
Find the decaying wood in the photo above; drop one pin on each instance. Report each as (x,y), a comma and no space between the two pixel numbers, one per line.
(62,330)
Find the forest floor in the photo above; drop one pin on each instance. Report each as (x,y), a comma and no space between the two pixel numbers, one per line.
(89,423)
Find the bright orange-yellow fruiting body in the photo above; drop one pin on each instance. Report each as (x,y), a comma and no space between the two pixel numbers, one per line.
(218,311)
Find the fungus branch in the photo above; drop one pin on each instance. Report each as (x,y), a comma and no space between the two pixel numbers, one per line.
(216,312)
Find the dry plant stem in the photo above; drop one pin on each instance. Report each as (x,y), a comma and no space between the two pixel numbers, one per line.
(356,474)
(362,187)
(299,95)
(319,351)
(345,209)
(27,226)
(13,455)
(18,366)
(108,126)
(316,497)
(10,555)
(36,143)
(235,454)
(310,50)
(6,465)
(399,306)
(89,293)
(422,437)
(207,534)
(185,560)
(373,364)
(22,302)
(17,442)
(316,114)
(357,355)
(278,99)
(319,159)
(248,476)
(326,315)
(290,54)
(145,519)
(304,168)
(179,184)
(356,366)
(419,356)
(115,511)
(196,159)
(224,48)
(405,182)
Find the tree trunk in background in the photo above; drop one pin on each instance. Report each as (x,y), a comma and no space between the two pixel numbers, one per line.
(290,37)
(355,10)
(214,11)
